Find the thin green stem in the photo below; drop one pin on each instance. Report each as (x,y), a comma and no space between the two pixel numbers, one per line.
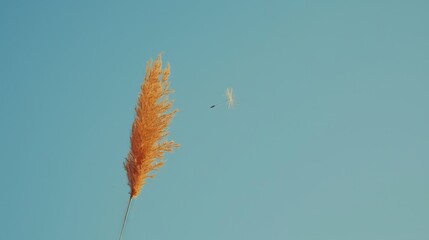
(125,218)
(214,105)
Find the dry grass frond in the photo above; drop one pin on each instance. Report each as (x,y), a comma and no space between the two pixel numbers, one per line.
(149,129)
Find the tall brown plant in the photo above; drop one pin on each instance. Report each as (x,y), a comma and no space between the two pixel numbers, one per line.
(149,129)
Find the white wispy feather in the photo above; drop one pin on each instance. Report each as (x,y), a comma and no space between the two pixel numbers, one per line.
(229,97)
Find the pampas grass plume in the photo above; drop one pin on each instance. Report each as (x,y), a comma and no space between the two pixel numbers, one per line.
(149,129)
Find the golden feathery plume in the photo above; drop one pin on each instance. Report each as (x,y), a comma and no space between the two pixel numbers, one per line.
(149,129)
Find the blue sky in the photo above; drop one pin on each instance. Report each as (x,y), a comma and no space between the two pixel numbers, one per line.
(329,138)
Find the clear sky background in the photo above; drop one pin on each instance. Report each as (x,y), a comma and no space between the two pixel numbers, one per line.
(329,139)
